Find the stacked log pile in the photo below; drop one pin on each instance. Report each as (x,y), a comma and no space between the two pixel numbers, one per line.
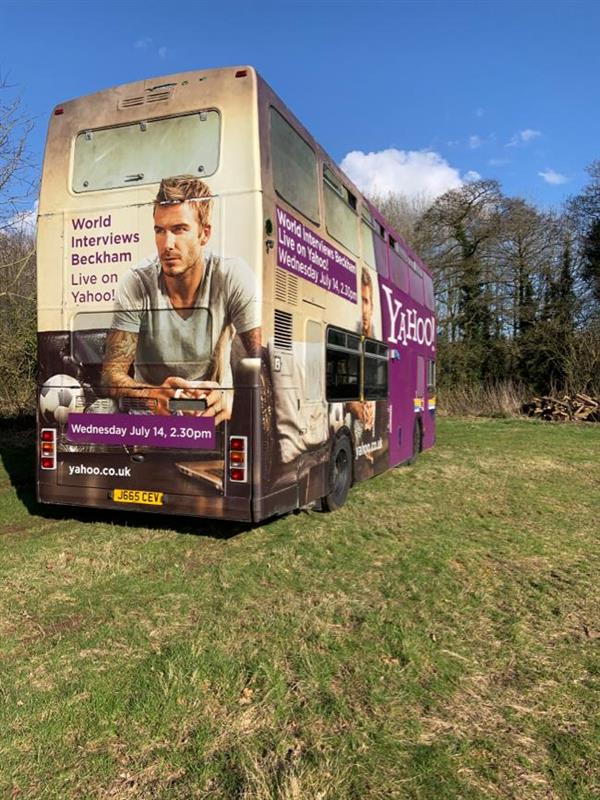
(577,408)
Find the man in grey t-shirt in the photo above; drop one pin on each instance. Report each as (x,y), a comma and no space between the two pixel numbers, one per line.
(176,314)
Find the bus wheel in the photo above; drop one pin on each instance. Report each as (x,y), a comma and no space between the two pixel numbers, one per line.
(417,444)
(340,475)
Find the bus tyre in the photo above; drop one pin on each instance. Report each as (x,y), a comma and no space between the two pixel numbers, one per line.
(417,443)
(340,475)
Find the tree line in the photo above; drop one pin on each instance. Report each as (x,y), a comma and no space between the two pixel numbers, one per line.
(517,288)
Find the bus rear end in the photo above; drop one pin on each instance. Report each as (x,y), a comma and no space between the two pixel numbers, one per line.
(149,293)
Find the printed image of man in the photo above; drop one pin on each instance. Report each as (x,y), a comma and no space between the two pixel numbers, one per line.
(364,412)
(365,425)
(177,313)
(366,298)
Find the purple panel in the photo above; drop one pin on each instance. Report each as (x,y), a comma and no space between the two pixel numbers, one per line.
(303,253)
(409,330)
(142,429)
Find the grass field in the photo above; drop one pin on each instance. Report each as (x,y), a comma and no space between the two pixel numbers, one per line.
(438,637)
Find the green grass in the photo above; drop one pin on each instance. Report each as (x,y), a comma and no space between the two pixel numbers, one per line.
(438,637)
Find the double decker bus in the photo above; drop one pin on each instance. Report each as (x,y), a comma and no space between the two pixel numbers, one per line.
(227,327)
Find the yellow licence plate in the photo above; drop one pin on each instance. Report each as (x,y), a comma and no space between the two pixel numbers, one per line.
(138,496)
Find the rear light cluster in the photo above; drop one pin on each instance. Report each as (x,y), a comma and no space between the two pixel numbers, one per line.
(48,448)
(238,464)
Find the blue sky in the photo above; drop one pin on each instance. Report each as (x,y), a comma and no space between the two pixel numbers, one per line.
(409,96)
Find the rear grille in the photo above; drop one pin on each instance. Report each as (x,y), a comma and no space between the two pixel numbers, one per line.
(286,287)
(284,330)
(156,97)
(128,102)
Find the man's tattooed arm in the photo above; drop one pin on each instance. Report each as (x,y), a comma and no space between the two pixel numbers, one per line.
(119,356)
(252,341)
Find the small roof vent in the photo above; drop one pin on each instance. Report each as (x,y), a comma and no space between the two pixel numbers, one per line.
(155,94)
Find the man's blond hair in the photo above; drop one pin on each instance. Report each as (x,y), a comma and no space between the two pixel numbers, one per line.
(186,189)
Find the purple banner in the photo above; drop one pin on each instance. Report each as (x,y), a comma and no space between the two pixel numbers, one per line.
(303,253)
(148,430)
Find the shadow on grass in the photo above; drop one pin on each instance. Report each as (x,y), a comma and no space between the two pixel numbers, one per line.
(17,455)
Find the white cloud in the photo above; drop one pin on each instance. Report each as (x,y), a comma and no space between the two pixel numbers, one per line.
(555,178)
(162,52)
(25,221)
(475,141)
(141,44)
(415,173)
(471,176)
(524,137)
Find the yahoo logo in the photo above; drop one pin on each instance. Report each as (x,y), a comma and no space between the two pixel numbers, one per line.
(406,325)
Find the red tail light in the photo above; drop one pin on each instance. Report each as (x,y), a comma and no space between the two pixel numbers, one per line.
(48,448)
(238,454)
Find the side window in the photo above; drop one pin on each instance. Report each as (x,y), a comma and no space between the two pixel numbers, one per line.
(375,370)
(313,382)
(417,291)
(398,266)
(294,168)
(430,377)
(342,359)
(367,234)
(340,212)
(381,250)
(420,376)
(429,295)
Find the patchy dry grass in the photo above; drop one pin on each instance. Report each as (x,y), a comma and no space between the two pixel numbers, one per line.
(438,637)
(502,399)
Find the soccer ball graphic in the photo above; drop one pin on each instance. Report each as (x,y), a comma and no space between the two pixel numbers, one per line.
(59,396)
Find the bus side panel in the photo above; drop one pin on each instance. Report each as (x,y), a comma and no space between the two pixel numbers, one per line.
(409,330)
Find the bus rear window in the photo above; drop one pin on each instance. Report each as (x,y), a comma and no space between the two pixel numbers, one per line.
(144,152)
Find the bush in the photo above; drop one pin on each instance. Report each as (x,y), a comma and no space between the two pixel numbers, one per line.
(18,353)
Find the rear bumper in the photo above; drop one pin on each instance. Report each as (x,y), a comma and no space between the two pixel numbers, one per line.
(217,507)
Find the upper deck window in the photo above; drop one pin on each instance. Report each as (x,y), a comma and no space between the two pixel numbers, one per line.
(340,212)
(367,233)
(417,289)
(294,168)
(146,152)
